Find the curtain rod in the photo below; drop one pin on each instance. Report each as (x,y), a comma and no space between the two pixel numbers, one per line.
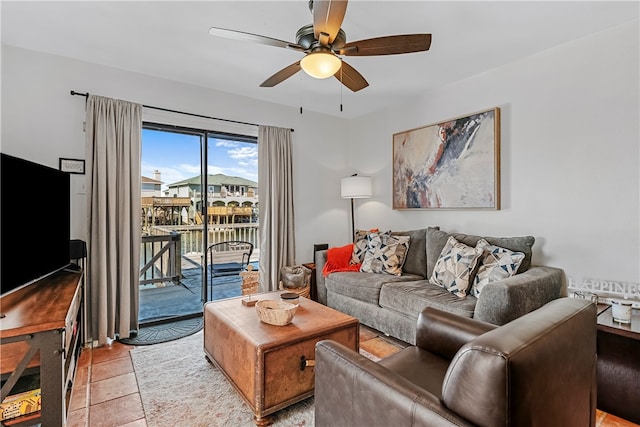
(86,95)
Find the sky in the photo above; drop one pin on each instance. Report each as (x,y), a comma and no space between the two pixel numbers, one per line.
(177,157)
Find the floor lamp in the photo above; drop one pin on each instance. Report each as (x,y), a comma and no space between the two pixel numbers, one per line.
(355,187)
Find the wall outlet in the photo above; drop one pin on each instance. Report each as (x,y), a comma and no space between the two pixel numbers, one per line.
(81,187)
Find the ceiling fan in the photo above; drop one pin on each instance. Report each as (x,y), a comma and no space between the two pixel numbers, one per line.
(324,40)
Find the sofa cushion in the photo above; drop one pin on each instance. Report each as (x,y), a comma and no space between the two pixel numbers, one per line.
(360,244)
(385,254)
(421,367)
(416,261)
(436,240)
(411,297)
(455,265)
(496,264)
(362,286)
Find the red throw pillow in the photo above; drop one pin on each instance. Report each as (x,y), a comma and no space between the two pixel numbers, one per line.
(338,259)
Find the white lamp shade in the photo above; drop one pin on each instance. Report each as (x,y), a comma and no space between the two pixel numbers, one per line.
(356,187)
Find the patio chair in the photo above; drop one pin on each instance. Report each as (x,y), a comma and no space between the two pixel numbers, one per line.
(228,258)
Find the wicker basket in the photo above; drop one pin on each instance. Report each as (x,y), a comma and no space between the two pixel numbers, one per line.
(303,292)
(297,276)
(274,312)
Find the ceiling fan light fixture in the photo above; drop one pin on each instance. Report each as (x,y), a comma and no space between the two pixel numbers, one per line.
(325,43)
(321,64)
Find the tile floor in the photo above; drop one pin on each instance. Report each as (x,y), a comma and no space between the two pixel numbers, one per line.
(105,393)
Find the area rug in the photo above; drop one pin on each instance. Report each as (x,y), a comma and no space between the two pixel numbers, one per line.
(165,332)
(179,387)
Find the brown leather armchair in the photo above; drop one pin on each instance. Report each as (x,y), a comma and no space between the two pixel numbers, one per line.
(538,370)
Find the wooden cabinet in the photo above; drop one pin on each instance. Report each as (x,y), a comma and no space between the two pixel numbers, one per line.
(619,366)
(40,332)
(313,291)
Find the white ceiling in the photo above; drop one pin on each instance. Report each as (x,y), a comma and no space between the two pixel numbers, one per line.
(170,39)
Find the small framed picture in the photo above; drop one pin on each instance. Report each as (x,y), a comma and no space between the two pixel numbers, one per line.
(72,165)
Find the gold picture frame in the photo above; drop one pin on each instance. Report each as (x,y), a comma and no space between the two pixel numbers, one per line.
(454,164)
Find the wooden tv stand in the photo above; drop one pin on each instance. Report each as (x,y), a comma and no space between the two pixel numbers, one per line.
(40,330)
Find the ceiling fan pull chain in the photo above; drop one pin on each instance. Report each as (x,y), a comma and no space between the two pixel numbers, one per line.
(341,85)
(300,92)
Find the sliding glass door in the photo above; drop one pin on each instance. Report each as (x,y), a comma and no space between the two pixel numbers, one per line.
(188,206)
(171,242)
(232,213)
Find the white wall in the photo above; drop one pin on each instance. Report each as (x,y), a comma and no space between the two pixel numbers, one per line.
(41,122)
(570,156)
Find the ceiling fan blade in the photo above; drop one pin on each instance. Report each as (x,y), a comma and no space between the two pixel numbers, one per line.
(350,77)
(282,75)
(240,35)
(327,18)
(389,45)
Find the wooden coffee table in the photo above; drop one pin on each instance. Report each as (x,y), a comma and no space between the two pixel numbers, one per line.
(271,366)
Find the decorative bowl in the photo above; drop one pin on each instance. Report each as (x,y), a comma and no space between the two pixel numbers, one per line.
(274,312)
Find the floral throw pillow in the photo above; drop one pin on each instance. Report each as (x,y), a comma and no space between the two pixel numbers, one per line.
(496,264)
(455,266)
(385,254)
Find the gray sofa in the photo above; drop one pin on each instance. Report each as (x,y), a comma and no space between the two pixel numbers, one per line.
(392,304)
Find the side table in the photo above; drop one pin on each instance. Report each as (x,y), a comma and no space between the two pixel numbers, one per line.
(313,288)
(619,366)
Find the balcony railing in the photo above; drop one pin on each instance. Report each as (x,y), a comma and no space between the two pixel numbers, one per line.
(160,259)
(162,252)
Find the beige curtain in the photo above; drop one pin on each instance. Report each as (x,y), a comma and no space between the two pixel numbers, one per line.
(276,219)
(113,141)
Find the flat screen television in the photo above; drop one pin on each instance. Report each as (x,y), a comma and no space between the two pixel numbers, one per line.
(35,216)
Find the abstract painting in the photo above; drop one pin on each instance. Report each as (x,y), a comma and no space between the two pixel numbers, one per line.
(454,164)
